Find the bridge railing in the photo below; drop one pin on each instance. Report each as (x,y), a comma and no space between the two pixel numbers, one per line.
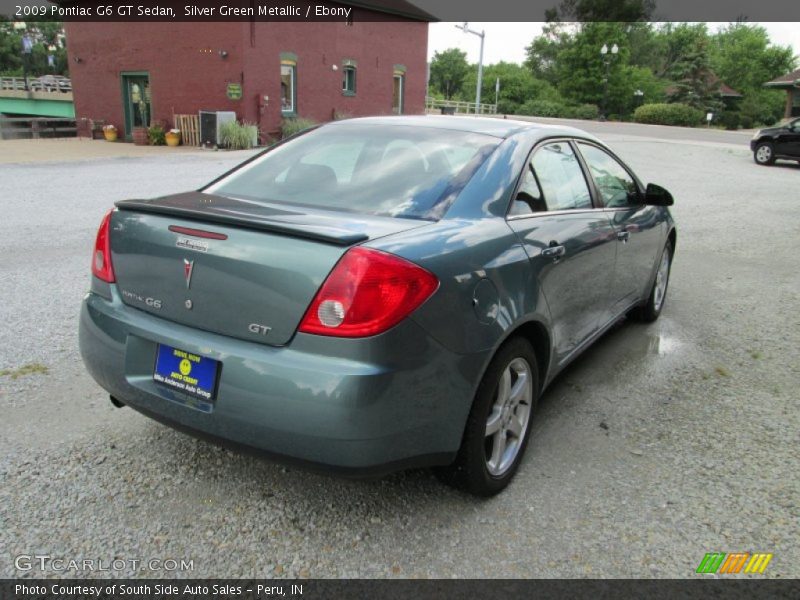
(46,83)
(458,107)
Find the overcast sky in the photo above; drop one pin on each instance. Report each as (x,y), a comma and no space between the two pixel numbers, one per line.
(507,41)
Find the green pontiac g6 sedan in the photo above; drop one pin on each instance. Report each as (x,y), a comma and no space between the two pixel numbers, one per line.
(376,294)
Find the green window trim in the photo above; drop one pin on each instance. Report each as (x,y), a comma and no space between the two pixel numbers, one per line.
(349,73)
(399,69)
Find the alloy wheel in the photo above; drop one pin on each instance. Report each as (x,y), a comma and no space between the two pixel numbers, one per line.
(508,419)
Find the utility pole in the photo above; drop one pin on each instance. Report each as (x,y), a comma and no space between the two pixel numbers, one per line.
(481,34)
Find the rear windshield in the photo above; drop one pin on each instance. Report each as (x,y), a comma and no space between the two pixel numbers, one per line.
(390,170)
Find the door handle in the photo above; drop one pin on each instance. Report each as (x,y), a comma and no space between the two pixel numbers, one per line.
(623,236)
(554,252)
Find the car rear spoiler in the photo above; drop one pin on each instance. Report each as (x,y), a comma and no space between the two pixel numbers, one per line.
(248,220)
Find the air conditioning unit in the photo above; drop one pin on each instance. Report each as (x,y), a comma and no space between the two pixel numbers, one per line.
(210,122)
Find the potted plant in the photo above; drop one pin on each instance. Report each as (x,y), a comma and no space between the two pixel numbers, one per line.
(156,135)
(173,137)
(110,133)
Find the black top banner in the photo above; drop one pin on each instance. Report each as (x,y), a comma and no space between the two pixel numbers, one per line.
(423,10)
(396,589)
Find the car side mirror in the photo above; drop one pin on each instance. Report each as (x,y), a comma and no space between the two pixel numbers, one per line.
(655,195)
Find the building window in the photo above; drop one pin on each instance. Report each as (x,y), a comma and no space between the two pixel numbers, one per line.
(287,88)
(288,83)
(398,89)
(349,77)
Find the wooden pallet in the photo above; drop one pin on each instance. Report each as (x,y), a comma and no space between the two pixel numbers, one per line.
(190,129)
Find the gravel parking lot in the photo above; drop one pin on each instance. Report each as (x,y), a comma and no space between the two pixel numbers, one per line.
(662,443)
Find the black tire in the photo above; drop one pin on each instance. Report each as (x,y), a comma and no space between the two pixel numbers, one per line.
(764,154)
(651,309)
(470,471)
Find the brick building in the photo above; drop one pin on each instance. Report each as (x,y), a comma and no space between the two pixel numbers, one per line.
(132,74)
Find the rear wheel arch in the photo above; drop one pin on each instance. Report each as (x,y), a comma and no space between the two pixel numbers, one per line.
(538,336)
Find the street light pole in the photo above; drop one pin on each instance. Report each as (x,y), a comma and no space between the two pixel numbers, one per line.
(481,34)
(607,61)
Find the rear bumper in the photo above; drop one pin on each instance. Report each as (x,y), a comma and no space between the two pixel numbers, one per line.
(359,407)
(753,144)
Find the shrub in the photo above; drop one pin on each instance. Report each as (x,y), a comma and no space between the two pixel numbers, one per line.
(295,125)
(668,114)
(587,112)
(237,136)
(746,122)
(730,119)
(157,136)
(769,120)
(507,107)
(542,108)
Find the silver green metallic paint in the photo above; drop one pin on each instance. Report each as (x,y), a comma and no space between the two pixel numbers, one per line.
(384,402)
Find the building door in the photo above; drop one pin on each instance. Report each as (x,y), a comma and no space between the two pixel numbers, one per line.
(397,94)
(136,101)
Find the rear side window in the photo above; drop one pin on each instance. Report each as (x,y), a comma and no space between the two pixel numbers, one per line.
(616,186)
(391,170)
(560,178)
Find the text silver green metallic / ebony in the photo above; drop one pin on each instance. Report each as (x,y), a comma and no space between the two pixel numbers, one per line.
(377,293)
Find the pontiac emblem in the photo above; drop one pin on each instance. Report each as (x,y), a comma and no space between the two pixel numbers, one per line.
(188,266)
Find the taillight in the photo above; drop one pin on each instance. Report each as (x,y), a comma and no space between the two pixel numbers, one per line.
(367,293)
(101,259)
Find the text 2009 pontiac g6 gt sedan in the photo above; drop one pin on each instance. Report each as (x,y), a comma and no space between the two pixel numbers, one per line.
(377,293)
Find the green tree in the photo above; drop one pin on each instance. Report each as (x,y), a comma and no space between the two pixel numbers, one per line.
(517,86)
(628,11)
(43,34)
(447,72)
(684,61)
(544,52)
(741,55)
(582,69)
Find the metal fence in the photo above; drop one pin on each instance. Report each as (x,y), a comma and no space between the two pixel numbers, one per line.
(458,107)
(46,83)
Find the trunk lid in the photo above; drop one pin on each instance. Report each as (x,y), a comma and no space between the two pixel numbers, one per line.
(230,266)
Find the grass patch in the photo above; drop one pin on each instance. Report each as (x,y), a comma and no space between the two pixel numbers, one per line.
(756,354)
(722,371)
(24,370)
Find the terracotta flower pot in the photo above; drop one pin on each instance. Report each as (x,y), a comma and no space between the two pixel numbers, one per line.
(110,135)
(173,139)
(140,136)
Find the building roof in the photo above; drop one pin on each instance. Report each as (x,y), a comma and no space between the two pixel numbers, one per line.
(786,81)
(727,91)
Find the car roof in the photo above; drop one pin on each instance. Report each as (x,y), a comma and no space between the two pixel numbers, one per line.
(497,127)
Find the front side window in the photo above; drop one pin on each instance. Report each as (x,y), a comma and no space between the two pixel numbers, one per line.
(560,178)
(397,171)
(349,80)
(288,76)
(616,186)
